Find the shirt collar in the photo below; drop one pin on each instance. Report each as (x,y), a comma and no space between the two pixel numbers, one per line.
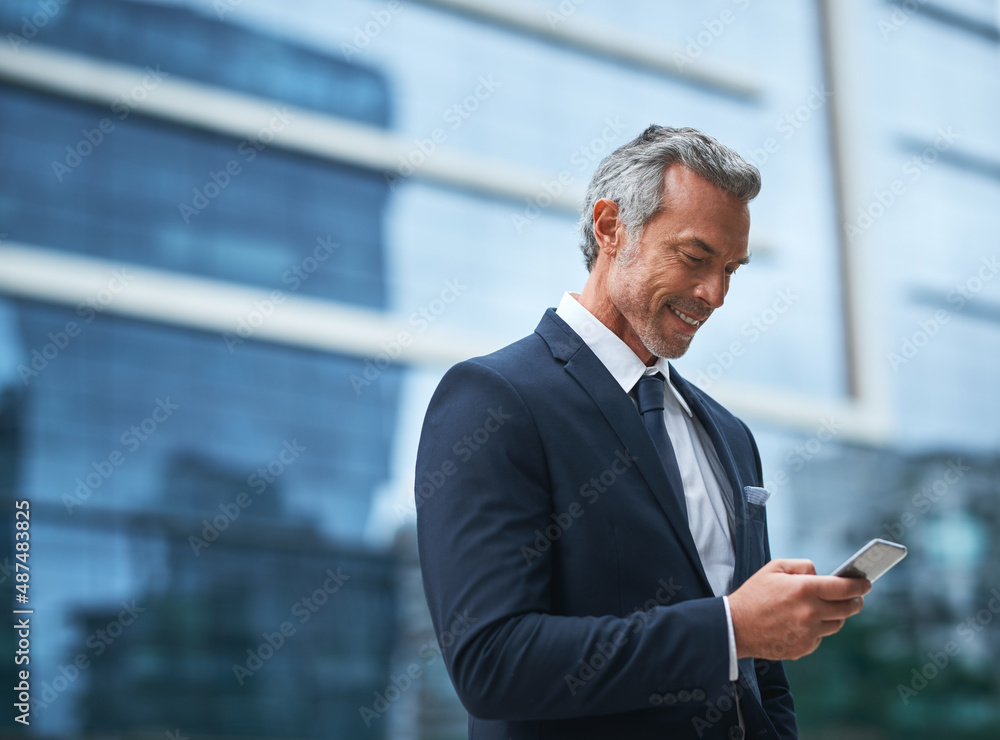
(623,364)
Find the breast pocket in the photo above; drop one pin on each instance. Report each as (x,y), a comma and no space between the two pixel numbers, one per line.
(754,499)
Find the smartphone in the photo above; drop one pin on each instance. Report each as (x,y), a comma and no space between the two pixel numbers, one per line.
(872,561)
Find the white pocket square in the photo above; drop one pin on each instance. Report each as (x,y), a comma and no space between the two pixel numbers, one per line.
(756,495)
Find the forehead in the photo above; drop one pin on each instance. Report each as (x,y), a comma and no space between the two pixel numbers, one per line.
(683,188)
(692,207)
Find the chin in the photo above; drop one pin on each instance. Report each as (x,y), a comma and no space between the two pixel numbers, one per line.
(668,350)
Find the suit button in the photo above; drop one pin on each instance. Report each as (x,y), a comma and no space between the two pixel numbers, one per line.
(698,695)
(655,699)
(735,733)
(669,698)
(684,695)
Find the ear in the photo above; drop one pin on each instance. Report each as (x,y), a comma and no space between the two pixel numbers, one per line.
(608,230)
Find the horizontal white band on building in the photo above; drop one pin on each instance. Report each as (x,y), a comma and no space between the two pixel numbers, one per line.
(222,111)
(566,28)
(240,312)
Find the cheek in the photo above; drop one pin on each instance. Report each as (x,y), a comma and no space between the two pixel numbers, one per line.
(669,287)
(672,276)
(629,283)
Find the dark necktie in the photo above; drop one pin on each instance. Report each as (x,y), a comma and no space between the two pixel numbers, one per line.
(649,394)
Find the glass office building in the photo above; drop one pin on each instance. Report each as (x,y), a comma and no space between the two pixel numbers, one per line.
(241,240)
(192,492)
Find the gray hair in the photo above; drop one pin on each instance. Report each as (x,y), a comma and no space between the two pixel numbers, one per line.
(632,177)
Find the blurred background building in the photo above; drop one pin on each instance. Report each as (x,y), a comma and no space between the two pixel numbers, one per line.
(241,240)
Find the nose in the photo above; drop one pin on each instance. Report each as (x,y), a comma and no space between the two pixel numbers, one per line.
(712,290)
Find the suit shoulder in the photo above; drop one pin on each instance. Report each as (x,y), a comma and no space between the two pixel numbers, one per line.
(518,363)
(500,383)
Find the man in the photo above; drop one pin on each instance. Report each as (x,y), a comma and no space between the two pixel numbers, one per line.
(591,526)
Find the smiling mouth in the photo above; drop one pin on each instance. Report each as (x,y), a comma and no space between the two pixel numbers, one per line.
(685,318)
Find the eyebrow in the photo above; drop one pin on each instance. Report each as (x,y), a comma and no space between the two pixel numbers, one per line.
(705,247)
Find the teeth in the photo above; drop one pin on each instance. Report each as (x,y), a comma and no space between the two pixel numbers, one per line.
(687,319)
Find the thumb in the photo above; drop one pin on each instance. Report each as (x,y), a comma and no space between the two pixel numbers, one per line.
(790,565)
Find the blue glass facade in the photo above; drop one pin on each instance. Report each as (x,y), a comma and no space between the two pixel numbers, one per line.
(199,499)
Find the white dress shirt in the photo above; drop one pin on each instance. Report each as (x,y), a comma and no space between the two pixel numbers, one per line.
(707,490)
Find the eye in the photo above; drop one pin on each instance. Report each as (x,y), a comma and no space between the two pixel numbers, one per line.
(692,259)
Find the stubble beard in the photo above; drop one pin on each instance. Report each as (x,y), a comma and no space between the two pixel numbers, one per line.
(647,323)
(669,348)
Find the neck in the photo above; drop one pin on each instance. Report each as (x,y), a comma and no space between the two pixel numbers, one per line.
(595,298)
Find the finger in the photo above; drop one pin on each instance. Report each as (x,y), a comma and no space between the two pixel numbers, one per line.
(810,649)
(794,565)
(838,588)
(840,609)
(830,626)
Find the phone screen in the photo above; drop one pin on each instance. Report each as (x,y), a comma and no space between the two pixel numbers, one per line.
(872,561)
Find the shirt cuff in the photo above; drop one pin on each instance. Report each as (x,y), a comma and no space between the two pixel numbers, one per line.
(734,665)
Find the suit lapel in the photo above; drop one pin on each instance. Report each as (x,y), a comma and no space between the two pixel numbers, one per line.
(725,455)
(620,412)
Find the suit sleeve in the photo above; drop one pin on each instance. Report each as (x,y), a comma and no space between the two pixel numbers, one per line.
(482,491)
(775,693)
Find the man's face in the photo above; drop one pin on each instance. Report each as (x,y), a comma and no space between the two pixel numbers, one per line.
(681,265)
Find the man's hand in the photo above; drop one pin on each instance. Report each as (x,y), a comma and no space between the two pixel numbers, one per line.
(784,610)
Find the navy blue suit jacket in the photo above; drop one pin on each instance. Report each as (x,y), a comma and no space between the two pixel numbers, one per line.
(563,581)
